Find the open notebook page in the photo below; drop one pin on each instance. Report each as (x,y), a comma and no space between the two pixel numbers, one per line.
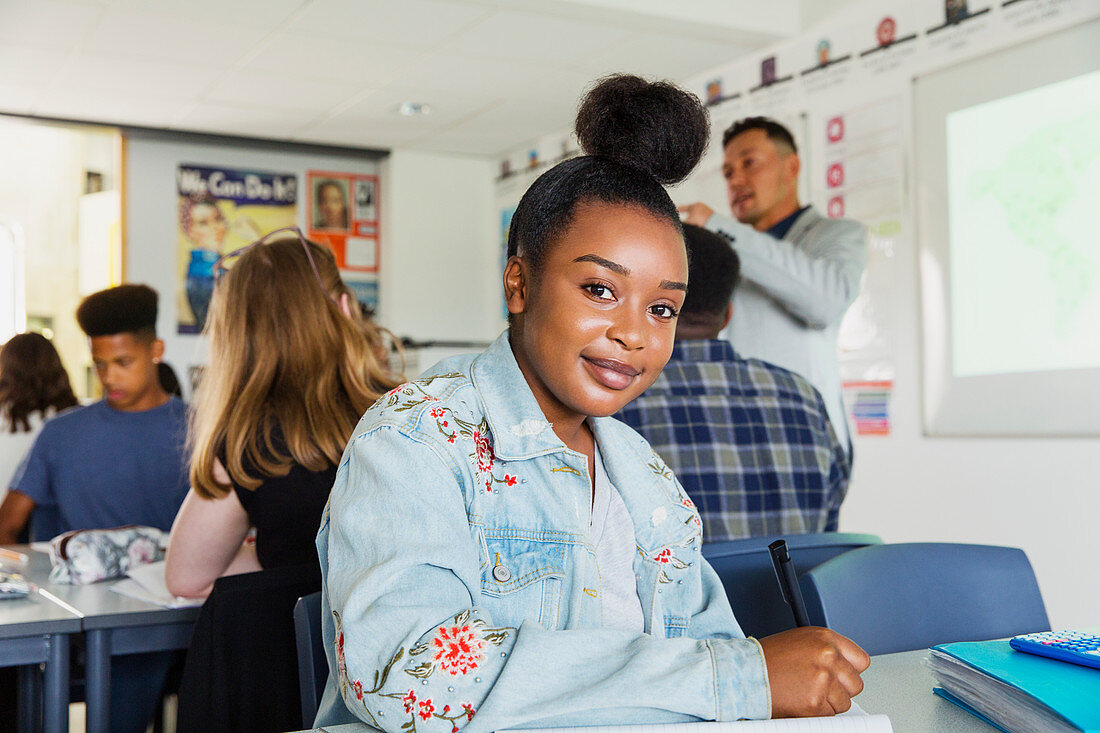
(849,723)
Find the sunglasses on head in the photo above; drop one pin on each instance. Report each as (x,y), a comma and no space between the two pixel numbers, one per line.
(225,262)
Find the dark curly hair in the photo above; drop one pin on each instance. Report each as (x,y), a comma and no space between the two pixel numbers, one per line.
(32,379)
(714,270)
(122,309)
(189,204)
(637,135)
(776,132)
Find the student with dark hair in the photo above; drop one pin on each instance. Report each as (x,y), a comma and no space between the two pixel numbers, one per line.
(34,386)
(115,462)
(497,552)
(802,270)
(120,460)
(169,382)
(750,441)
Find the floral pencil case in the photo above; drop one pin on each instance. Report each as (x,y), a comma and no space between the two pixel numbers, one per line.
(91,555)
(13,585)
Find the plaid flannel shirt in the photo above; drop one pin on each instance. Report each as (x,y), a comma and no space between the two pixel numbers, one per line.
(751,442)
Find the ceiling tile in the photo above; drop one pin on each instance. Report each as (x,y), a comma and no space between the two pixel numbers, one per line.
(273,91)
(268,14)
(447,107)
(415,23)
(502,127)
(132,109)
(238,120)
(156,78)
(533,37)
(330,59)
(368,133)
(533,117)
(147,35)
(32,65)
(463,145)
(18,100)
(46,22)
(663,56)
(459,73)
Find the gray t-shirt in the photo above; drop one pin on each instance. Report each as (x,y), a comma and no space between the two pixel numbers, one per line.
(612,535)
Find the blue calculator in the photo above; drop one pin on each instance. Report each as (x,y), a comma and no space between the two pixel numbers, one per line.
(1078,647)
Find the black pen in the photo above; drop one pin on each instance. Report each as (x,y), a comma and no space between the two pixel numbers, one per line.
(788,581)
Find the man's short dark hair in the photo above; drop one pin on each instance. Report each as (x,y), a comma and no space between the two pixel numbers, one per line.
(122,309)
(776,132)
(713,272)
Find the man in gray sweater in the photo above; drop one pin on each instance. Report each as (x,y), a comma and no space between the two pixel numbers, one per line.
(800,269)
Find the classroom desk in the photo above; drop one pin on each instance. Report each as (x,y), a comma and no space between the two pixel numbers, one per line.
(34,630)
(113,624)
(896,685)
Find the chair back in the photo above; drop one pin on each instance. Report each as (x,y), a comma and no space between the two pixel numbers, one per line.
(312,664)
(892,598)
(745,568)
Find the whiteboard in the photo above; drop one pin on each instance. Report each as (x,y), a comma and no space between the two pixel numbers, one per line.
(1007,153)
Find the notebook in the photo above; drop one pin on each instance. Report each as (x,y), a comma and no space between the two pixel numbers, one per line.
(854,721)
(1015,691)
(146,583)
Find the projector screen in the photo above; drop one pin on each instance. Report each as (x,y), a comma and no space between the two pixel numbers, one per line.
(1007,154)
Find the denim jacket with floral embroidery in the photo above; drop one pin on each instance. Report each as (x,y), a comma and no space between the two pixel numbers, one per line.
(461,586)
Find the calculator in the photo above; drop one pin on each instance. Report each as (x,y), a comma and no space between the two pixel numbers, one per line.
(1078,647)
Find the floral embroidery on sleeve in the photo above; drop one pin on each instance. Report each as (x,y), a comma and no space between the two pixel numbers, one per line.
(457,648)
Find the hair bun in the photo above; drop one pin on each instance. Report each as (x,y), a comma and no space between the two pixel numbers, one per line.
(654,126)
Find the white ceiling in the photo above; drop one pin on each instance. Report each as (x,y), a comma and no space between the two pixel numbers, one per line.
(497,73)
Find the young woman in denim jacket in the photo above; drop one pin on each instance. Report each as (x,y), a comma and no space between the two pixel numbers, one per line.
(467,584)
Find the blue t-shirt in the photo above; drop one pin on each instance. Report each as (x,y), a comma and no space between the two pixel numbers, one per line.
(96,467)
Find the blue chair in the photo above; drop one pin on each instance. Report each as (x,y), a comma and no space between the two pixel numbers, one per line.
(745,567)
(893,598)
(312,663)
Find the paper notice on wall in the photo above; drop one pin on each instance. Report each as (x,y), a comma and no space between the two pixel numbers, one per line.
(868,406)
(343,214)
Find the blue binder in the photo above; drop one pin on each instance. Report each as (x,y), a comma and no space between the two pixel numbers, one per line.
(1070,690)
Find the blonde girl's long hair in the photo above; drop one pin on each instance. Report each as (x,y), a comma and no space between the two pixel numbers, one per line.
(284,359)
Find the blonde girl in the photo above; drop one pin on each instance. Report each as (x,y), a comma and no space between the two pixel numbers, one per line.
(292,367)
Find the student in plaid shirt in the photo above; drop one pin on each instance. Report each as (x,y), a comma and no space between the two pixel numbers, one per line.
(750,441)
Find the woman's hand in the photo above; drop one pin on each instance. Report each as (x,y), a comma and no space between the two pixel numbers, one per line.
(813,671)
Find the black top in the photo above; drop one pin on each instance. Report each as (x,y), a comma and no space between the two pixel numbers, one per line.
(286,511)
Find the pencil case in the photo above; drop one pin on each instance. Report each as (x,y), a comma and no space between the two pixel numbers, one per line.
(13,585)
(90,555)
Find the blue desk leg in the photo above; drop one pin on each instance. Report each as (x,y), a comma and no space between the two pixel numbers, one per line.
(98,680)
(30,699)
(56,684)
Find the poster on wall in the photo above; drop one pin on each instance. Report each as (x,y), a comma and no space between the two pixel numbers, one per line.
(220,210)
(343,214)
(506,215)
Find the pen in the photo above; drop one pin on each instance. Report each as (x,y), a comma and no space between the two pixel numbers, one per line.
(788,581)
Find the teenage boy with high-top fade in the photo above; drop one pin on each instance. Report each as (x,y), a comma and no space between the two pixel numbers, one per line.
(117,461)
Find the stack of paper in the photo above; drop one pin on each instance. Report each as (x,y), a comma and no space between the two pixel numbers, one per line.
(1016,691)
(146,583)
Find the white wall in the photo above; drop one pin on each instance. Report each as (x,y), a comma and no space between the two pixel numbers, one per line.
(441,277)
